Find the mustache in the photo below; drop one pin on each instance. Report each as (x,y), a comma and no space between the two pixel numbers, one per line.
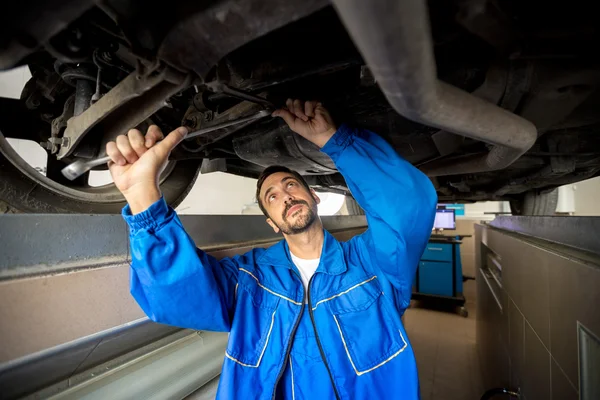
(292,204)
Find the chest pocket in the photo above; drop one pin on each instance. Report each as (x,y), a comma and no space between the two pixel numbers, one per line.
(370,335)
(255,315)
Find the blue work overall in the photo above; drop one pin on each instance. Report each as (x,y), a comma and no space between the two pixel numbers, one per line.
(342,337)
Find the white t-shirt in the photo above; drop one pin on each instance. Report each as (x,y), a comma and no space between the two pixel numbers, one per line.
(306,268)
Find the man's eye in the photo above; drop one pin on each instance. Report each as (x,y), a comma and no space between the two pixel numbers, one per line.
(291,184)
(271,197)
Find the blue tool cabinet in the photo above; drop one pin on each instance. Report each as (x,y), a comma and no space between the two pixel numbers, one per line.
(439,274)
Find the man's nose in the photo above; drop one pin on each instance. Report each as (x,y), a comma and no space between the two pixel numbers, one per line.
(288,198)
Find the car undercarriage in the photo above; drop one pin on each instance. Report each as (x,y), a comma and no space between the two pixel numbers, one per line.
(492,100)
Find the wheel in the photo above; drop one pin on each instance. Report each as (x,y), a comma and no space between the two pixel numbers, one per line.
(463,312)
(534,203)
(25,189)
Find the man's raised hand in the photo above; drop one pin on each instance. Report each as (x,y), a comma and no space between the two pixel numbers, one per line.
(308,119)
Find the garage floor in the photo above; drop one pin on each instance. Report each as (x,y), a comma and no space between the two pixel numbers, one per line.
(444,344)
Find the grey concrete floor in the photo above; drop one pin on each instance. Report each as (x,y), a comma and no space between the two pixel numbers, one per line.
(444,345)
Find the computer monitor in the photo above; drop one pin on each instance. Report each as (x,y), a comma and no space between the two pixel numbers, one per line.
(444,219)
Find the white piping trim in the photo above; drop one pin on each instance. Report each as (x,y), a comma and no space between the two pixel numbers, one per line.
(269,290)
(263,350)
(359,373)
(292,372)
(344,292)
(235,292)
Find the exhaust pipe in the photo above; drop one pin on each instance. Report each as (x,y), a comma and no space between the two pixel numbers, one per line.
(394,38)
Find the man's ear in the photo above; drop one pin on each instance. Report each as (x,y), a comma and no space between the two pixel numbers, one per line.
(314,195)
(275,227)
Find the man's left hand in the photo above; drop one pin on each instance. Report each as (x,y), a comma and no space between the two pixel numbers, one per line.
(308,119)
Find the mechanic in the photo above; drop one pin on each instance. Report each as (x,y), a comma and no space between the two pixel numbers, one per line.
(310,317)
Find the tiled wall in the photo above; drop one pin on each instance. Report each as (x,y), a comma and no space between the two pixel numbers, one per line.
(528,320)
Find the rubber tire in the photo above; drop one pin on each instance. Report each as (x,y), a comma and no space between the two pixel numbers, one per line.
(533,203)
(22,194)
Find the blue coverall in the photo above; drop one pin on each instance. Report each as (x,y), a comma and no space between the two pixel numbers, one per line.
(348,341)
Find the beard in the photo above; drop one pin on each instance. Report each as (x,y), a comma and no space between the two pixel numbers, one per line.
(302,223)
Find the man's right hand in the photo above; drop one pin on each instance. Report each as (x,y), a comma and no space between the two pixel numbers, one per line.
(308,119)
(137,161)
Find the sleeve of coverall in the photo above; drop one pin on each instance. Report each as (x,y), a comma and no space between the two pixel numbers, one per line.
(174,282)
(398,199)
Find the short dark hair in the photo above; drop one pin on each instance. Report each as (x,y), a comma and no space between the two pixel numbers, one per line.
(273,169)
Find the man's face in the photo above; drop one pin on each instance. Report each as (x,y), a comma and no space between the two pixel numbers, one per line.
(291,207)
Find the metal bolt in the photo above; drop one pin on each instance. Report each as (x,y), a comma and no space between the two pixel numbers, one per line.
(56,141)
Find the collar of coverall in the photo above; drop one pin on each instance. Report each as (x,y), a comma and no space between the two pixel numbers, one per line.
(332,256)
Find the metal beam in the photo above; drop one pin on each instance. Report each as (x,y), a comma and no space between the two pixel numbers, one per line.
(171,371)
(582,233)
(32,244)
(31,373)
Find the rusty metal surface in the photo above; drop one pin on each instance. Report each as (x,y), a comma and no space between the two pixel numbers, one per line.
(129,103)
(208,119)
(219,87)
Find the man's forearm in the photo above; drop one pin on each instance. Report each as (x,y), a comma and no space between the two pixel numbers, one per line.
(171,279)
(384,184)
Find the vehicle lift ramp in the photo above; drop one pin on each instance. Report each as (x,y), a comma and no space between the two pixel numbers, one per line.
(69,328)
